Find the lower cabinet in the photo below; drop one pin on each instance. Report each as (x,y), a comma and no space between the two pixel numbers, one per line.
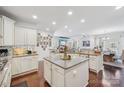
(16,66)
(96,63)
(7,76)
(57,76)
(24,64)
(76,76)
(47,72)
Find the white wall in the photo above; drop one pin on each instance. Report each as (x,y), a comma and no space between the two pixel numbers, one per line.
(80,40)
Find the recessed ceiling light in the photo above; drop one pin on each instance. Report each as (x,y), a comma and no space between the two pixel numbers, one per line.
(54,23)
(108,38)
(118,7)
(66,26)
(83,34)
(34,17)
(69,30)
(82,20)
(103,38)
(47,29)
(70,12)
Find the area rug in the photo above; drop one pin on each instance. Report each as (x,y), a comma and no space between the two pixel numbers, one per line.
(21,84)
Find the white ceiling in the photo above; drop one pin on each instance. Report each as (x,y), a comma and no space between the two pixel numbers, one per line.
(99,19)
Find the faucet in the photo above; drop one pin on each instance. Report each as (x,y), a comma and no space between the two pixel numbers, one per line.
(66,57)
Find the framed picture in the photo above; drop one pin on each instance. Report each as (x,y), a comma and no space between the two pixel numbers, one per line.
(86,43)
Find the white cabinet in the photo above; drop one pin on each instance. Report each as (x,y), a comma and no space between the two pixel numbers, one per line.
(31,37)
(25,36)
(34,62)
(47,72)
(7,80)
(1,33)
(20,36)
(75,76)
(57,76)
(6,31)
(24,64)
(16,66)
(96,63)
(7,76)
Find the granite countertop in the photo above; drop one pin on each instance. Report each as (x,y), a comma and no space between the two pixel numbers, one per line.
(90,53)
(65,64)
(24,55)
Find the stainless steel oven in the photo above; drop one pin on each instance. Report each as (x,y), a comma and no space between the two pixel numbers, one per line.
(3,58)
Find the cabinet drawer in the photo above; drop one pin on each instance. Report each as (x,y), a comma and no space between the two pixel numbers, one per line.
(58,69)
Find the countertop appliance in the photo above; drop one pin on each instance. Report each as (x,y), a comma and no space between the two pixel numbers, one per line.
(3,58)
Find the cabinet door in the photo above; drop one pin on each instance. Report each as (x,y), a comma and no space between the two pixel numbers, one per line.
(8,31)
(47,71)
(34,62)
(29,63)
(57,76)
(25,62)
(16,66)
(31,37)
(96,63)
(19,36)
(1,32)
(93,63)
(6,75)
(77,76)
(7,79)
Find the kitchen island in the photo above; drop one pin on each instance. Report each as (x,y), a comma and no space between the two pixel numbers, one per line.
(66,73)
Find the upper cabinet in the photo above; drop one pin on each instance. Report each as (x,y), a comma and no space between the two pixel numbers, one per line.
(20,36)
(1,32)
(25,36)
(11,35)
(6,31)
(31,37)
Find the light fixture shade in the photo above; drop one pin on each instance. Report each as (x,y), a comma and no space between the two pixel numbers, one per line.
(66,26)
(34,17)
(82,20)
(47,29)
(118,7)
(54,23)
(70,12)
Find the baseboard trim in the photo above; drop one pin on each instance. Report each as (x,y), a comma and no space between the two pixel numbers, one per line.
(24,73)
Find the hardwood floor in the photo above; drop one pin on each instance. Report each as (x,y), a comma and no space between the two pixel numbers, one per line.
(109,77)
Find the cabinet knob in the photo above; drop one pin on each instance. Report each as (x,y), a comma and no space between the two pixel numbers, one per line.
(74,73)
